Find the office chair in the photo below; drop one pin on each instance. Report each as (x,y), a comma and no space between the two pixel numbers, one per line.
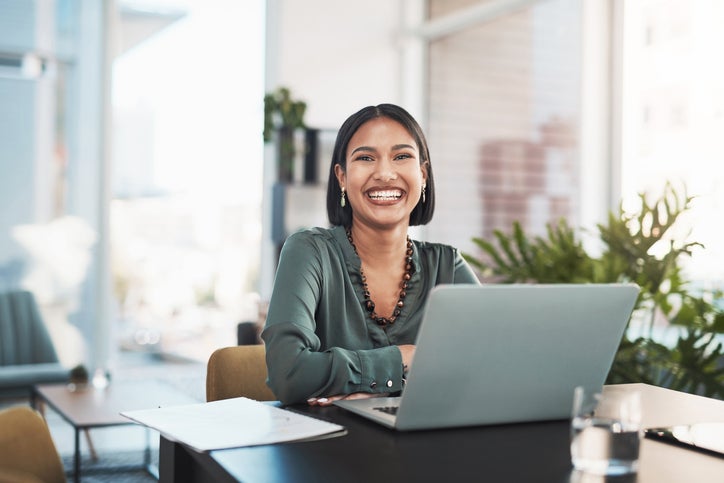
(238,371)
(27,451)
(27,353)
(247,333)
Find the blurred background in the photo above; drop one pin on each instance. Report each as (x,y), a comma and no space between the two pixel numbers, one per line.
(141,205)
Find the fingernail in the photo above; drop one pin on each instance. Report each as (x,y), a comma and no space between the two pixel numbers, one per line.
(311,399)
(322,400)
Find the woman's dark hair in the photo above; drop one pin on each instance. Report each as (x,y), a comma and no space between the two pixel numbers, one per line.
(338,215)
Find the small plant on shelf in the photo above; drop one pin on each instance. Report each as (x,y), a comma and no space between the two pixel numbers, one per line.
(641,248)
(282,115)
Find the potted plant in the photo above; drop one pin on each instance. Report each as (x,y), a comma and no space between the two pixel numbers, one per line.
(641,247)
(78,378)
(282,115)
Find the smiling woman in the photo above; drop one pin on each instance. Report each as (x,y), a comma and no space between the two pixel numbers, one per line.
(347,301)
(395,135)
(383,179)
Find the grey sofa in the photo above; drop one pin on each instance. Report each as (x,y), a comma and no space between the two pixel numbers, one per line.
(27,354)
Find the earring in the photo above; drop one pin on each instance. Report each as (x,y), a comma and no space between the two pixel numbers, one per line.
(342,200)
(423,192)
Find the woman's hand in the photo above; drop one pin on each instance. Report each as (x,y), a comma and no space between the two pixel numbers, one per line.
(327,401)
(408,354)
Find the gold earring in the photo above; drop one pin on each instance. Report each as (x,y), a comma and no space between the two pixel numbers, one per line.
(342,200)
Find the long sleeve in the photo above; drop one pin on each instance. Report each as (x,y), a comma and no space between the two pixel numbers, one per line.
(312,297)
(319,339)
(463,272)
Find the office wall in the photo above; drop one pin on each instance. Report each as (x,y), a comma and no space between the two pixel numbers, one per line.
(338,56)
(504,109)
(508,79)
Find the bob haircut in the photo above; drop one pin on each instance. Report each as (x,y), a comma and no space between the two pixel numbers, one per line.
(338,215)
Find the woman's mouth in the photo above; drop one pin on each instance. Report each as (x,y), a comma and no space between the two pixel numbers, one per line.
(385,195)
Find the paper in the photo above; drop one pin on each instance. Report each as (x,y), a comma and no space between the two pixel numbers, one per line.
(232,423)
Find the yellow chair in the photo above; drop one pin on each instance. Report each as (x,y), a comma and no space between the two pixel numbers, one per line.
(238,371)
(27,451)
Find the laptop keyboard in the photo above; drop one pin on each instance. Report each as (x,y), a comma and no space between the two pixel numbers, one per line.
(387,409)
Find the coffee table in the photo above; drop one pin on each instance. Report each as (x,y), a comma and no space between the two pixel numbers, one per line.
(90,407)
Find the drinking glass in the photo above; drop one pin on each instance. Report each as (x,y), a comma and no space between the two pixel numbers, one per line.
(605,432)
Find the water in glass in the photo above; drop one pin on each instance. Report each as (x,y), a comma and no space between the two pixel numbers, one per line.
(604,446)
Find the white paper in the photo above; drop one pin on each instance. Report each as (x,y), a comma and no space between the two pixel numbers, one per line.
(231,423)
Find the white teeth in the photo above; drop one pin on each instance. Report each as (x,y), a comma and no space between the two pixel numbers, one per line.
(385,195)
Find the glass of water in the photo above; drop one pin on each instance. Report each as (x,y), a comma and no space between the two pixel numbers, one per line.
(605,432)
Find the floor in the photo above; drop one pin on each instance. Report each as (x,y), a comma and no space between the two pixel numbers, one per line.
(120,449)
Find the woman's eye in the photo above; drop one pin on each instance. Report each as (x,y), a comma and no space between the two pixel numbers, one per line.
(403,156)
(364,157)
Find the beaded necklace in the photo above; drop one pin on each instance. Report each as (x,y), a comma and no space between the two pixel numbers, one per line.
(369,304)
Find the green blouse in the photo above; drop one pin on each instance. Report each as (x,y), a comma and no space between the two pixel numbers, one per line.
(320,340)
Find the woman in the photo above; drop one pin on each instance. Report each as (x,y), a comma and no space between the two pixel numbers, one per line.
(348,301)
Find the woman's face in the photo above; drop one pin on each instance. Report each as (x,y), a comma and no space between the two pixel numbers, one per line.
(384,178)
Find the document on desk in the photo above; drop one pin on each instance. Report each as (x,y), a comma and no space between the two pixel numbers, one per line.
(232,423)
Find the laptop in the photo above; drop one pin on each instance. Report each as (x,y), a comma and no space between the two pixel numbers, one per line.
(493,354)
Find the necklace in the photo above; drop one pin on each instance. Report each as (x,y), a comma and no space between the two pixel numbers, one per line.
(369,304)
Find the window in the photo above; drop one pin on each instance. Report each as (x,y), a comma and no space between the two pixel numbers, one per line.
(187,166)
(673,114)
(503,121)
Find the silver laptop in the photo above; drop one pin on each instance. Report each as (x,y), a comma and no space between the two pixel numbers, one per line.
(491,354)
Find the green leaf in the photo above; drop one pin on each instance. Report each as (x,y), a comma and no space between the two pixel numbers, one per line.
(630,242)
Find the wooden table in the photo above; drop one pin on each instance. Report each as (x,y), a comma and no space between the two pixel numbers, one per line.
(96,408)
(521,453)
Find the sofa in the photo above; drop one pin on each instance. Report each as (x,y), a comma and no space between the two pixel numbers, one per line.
(27,353)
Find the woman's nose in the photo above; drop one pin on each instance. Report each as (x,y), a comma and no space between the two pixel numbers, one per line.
(385,171)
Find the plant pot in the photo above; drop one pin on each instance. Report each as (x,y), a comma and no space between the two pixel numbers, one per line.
(285,154)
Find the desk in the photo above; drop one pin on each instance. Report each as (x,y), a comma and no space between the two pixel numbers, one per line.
(97,408)
(529,452)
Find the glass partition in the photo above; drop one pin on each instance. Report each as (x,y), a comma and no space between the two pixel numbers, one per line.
(503,121)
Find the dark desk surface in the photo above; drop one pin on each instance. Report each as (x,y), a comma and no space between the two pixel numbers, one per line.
(530,452)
